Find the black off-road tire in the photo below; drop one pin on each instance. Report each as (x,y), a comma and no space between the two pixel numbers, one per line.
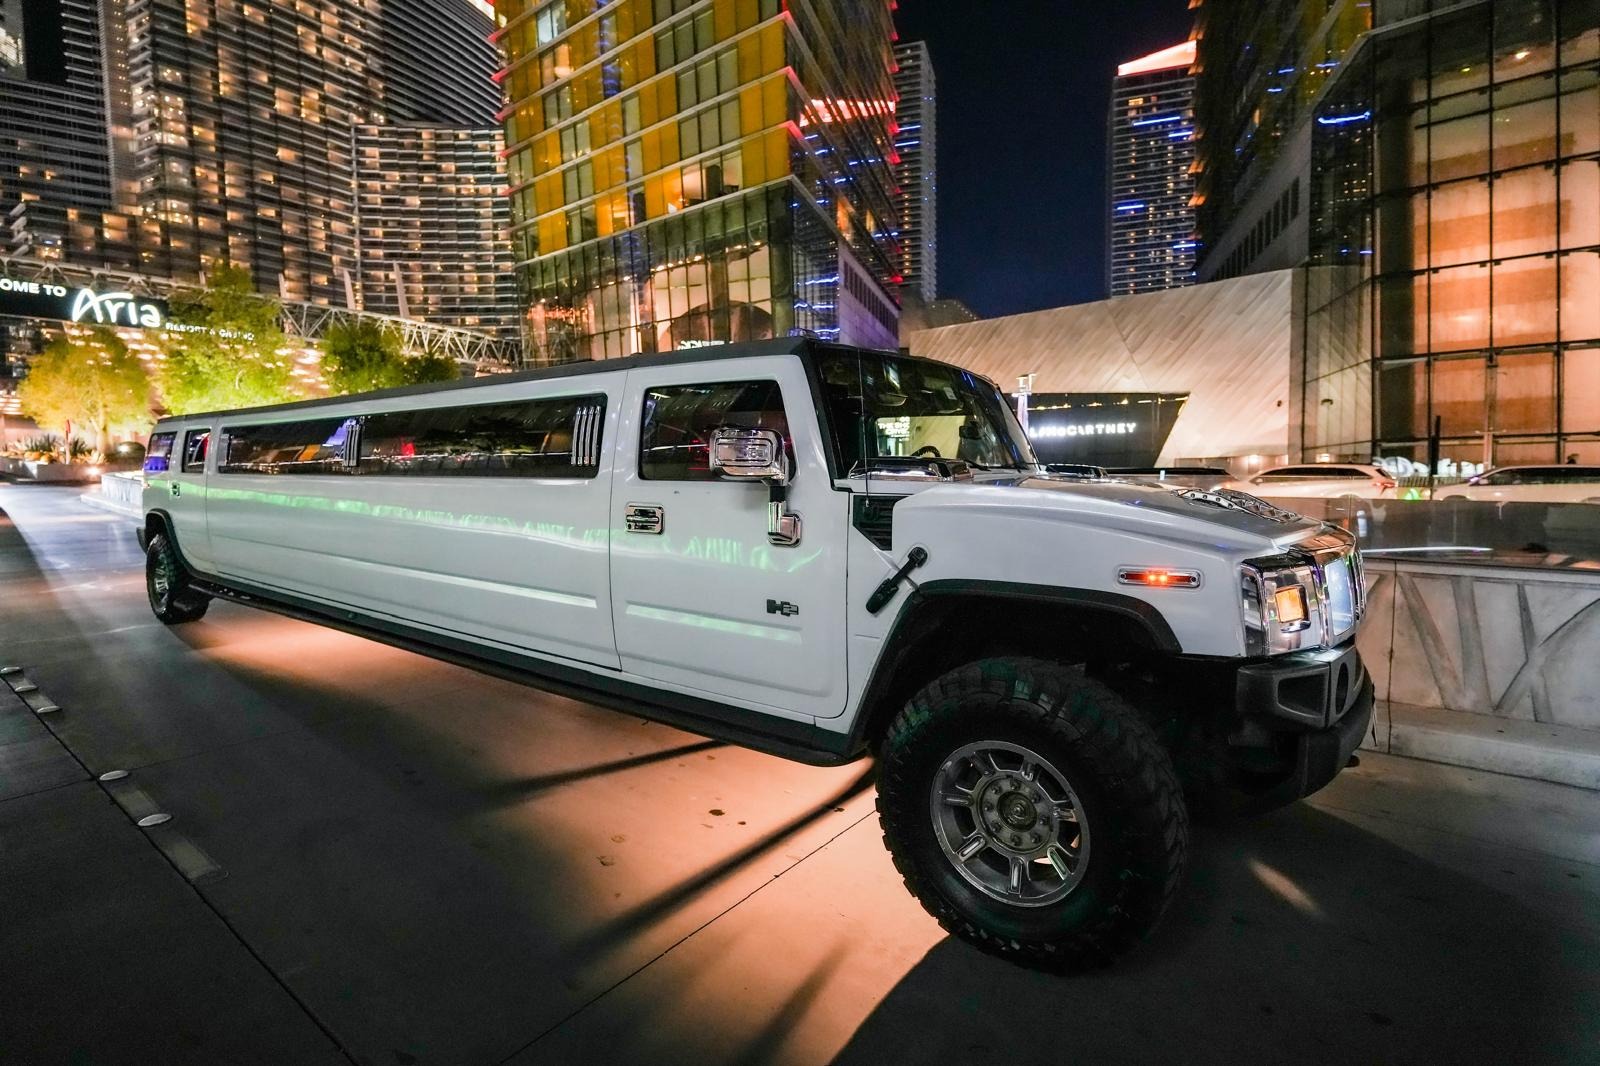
(172,596)
(1131,799)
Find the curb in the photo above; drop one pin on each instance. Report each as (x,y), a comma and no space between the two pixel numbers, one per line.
(1542,751)
(95,500)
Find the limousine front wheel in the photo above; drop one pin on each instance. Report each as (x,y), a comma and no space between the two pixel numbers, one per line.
(171,597)
(1033,812)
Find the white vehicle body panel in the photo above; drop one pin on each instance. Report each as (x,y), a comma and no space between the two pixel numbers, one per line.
(1074,535)
(690,604)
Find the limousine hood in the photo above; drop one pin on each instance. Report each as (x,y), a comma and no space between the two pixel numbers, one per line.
(1229,522)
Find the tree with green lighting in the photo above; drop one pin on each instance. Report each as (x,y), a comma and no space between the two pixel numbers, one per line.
(90,380)
(362,356)
(224,348)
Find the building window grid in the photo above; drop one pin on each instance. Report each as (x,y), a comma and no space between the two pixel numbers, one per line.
(1561,431)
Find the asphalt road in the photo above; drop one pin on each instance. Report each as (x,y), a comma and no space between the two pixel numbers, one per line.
(373,857)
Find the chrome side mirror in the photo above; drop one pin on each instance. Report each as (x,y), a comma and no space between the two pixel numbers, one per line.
(738,453)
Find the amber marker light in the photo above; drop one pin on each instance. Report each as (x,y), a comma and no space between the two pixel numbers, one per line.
(1291,605)
(1158,577)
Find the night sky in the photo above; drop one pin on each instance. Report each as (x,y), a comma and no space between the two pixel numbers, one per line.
(1023,87)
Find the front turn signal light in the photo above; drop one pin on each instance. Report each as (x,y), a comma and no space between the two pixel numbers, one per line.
(1291,605)
(1156,577)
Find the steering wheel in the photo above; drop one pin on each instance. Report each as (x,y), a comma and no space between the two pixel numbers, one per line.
(930,449)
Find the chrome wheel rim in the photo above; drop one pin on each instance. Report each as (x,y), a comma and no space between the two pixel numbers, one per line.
(160,580)
(1010,823)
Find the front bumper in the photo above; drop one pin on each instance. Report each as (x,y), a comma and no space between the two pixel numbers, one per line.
(1308,689)
(1314,706)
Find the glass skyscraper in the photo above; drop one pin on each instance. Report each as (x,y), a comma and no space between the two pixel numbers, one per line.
(1261,65)
(1453,293)
(917,142)
(1151,141)
(688,172)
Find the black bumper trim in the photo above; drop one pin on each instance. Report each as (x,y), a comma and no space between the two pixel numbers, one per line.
(1312,690)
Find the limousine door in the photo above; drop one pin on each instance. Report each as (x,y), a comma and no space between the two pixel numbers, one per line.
(702,598)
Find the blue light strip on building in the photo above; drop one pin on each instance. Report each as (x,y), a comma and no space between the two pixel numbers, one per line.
(1154,121)
(1340,120)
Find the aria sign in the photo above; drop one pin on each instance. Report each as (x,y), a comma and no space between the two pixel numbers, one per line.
(43,299)
(115,309)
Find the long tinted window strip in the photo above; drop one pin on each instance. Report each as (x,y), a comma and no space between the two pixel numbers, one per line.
(309,446)
(526,438)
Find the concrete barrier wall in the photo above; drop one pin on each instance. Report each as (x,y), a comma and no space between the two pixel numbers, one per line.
(1509,643)
(125,491)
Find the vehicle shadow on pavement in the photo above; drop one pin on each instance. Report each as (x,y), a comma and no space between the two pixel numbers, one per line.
(1298,938)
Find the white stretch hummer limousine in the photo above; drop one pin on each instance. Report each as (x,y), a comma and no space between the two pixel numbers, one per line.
(817,551)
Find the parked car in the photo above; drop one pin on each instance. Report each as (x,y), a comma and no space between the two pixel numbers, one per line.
(1530,484)
(1320,481)
(1188,477)
(722,539)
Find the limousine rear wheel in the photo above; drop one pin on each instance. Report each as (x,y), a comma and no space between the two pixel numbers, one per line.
(171,597)
(1033,812)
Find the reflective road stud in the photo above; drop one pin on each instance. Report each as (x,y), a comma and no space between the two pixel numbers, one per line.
(153,819)
(113,775)
(7,671)
(26,686)
(48,708)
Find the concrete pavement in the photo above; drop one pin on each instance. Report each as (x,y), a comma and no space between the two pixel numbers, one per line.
(373,857)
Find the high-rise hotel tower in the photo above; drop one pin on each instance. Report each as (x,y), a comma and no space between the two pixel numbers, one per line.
(917,171)
(1152,242)
(688,172)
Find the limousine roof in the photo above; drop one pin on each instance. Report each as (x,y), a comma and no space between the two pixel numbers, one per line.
(744,349)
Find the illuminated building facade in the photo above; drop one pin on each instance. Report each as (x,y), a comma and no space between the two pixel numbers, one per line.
(1151,138)
(245,115)
(53,127)
(1260,65)
(1453,292)
(917,141)
(687,172)
(432,225)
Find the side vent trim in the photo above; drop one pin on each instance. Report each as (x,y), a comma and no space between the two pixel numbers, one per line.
(873,517)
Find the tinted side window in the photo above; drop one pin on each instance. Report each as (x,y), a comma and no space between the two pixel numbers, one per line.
(558,437)
(678,419)
(158,453)
(195,443)
(310,446)
(1346,472)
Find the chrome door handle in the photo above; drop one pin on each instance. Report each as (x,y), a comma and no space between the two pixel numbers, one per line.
(644,518)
